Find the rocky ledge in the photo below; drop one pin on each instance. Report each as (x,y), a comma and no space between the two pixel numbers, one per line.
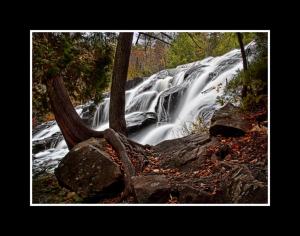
(228,165)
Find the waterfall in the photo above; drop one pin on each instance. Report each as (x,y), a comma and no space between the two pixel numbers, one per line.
(179,96)
(174,97)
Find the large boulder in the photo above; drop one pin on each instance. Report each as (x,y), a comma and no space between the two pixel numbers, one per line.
(137,120)
(151,188)
(177,153)
(89,171)
(228,121)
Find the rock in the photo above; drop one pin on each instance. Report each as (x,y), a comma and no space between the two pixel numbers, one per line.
(179,152)
(240,186)
(89,171)
(193,69)
(189,194)
(151,188)
(228,121)
(87,114)
(141,102)
(43,126)
(137,120)
(41,145)
(168,102)
(134,82)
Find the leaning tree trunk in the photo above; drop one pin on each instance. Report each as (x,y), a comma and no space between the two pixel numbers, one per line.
(73,128)
(69,122)
(117,95)
(245,66)
(75,131)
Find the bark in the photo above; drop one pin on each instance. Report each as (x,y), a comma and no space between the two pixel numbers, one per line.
(75,131)
(154,37)
(240,39)
(69,122)
(245,66)
(117,98)
(114,139)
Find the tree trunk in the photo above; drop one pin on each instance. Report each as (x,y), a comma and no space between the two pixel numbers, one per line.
(240,39)
(73,128)
(75,131)
(117,95)
(69,122)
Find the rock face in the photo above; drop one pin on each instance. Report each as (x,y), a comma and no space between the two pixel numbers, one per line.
(240,186)
(228,121)
(151,188)
(179,152)
(138,120)
(89,171)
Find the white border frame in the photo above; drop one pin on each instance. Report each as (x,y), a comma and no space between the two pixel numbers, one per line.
(122,204)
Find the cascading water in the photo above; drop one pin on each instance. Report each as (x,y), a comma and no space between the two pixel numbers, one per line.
(173,98)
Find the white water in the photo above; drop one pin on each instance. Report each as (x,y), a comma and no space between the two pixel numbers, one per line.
(203,85)
(177,96)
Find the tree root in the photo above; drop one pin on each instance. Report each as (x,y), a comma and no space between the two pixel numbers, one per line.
(114,140)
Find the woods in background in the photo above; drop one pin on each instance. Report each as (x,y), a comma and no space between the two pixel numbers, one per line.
(85,60)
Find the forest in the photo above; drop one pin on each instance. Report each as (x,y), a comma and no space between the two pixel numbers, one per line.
(150,118)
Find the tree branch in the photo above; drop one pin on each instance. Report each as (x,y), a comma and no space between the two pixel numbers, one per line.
(137,39)
(194,41)
(168,36)
(154,37)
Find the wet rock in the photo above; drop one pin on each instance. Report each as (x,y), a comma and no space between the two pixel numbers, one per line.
(168,102)
(151,188)
(141,102)
(44,144)
(134,82)
(87,114)
(43,126)
(136,121)
(193,69)
(228,121)
(89,171)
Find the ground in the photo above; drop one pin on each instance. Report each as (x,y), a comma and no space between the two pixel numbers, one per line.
(220,157)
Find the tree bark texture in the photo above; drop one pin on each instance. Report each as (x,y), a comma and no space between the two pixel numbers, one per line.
(117,99)
(245,66)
